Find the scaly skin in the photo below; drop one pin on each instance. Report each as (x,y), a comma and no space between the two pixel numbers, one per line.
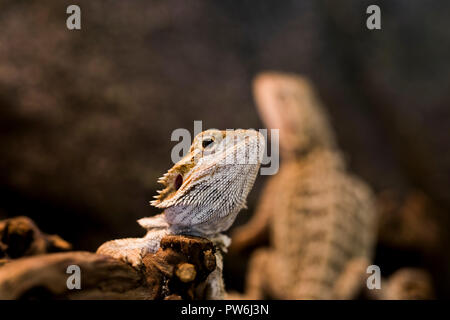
(320,218)
(203,194)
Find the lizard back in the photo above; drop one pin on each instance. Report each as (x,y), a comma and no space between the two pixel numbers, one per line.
(323,218)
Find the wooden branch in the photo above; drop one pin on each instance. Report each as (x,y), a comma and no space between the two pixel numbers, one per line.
(178,270)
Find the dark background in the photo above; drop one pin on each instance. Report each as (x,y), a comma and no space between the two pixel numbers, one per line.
(86,116)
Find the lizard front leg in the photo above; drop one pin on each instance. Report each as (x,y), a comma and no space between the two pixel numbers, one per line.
(129,250)
(132,250)
(352,279)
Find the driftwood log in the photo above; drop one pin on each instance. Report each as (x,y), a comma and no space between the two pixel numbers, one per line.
(176,271)
(20,237)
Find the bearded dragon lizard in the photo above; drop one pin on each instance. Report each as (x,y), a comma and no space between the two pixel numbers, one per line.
(203,194)
(320,218)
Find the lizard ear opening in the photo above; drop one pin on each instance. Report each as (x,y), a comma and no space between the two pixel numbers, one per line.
(178,182)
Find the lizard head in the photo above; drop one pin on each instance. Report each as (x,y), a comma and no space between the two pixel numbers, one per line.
(288,102)
(213,180)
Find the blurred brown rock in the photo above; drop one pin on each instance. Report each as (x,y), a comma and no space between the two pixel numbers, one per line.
(20,237)
(409,222)
(410,284)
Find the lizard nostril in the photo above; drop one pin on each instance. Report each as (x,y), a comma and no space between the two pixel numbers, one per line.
(178,182)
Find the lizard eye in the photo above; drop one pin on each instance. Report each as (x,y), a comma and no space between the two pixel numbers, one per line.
(207,142)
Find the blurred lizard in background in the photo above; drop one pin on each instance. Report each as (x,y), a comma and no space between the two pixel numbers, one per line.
(320,219)
(203,194)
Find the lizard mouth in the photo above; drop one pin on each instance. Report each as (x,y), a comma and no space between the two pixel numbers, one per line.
(178,182)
